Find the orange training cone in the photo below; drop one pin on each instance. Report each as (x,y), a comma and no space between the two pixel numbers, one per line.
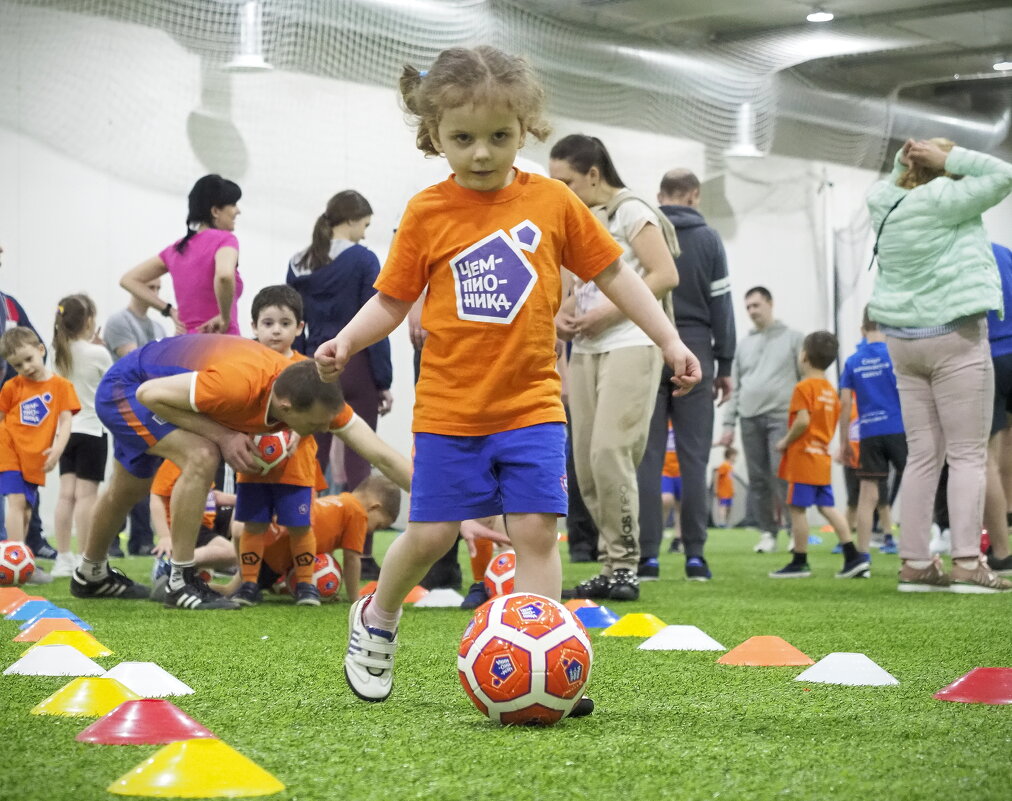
(980,686)
(11,598)
(44,626)
(83,641)
(579,603)
(86,698)
(368,588)
(198,768)
(765,652)
(415,595)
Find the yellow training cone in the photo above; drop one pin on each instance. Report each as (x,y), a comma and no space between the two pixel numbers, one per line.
(81,640)
(86,698)
(635,625)
(199,768)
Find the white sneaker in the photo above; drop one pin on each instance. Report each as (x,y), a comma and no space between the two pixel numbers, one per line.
(941,540)
(767,543)
(64,565)
(39,576)
(369,660)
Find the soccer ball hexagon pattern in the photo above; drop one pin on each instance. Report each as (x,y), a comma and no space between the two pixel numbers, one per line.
(327,576)
(16,564)
(272,449)
(524,659)
(499,574)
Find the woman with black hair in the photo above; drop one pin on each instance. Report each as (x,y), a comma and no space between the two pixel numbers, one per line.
(204,264)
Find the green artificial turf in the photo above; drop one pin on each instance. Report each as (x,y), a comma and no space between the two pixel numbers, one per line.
(269,682)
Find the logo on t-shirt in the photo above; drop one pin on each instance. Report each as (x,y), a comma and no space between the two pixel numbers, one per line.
(493,278)
(35,409)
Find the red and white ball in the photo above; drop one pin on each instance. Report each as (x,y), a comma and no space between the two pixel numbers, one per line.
(272,449)
(524,659)
(16,563)
(499,574)
(327,576)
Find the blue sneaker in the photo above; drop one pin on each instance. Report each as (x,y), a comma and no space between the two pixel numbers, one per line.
(814,539)
(889,545)
(476,596)
(649,570)
(696,569)
(837,549)
(161,567)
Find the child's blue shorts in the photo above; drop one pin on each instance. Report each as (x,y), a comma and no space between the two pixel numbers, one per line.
(672,485)
(511,472)
(134,427)
(13,483)
(725,501)
(805,495)
(261,503)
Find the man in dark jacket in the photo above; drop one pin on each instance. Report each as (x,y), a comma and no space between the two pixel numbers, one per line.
(705,320)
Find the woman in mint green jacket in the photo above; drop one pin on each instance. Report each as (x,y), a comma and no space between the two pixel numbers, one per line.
(937,280)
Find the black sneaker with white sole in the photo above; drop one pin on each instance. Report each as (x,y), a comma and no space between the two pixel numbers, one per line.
(306,594)
(114,585)
(584,707)
(596,587)
(195,594)
(248,594)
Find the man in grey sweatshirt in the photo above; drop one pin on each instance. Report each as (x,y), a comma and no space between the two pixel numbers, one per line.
(765,371)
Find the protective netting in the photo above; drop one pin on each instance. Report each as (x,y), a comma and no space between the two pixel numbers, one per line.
(110,81)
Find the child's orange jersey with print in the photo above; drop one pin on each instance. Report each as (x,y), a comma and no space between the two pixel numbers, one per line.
(300,468)
(491,262)
(807,459)
(165,479)
(725,483)
(672,469)
(338,521)
(854,434)
(31,411)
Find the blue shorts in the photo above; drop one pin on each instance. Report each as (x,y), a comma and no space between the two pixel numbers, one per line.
(262,503)
(672,486)
(725,501)
(134,427)
(521,471)
(13,483)
(805,495)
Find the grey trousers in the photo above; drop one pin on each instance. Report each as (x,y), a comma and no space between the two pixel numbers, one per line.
(759,436)
(691,417)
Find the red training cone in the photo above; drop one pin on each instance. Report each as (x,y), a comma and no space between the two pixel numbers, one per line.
(980,686)
(149,721)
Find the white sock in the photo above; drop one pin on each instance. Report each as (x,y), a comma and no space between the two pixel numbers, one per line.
(919,564)
(377,617)
(177,577)
(94,571)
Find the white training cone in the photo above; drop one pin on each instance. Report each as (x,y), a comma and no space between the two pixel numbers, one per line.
(441,598)
(55,660)
(851,669)
(681,638)
(148,679)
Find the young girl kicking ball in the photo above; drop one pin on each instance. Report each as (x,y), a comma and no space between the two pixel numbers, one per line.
(489,426)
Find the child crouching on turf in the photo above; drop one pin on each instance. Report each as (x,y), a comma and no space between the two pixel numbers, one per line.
(36,409)
(338,521)
(488,243)
(807,465)
(285,494)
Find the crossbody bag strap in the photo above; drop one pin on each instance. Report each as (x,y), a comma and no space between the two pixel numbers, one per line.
(878,235)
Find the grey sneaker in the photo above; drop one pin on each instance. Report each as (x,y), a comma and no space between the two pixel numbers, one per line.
(980,579)
(929,579)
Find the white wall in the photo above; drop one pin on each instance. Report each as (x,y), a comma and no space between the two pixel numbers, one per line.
(94,174)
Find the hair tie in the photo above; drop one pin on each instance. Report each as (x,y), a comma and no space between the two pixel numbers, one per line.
(422,73)
(59,309)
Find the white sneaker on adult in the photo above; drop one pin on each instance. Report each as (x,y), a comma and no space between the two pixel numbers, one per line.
(64,565)
(369,660)
(767,543)
(941,540)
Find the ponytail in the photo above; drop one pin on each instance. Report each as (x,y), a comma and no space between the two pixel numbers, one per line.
(211,191)
(73,314)
(346,206)
(583,152)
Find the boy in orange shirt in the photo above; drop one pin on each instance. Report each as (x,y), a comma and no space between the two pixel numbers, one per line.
(284,495)
(35,411)
(723,482)
(807,465)
(338,521)
(671,491)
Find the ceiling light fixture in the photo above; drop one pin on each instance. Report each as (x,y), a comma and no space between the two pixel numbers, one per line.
(1002,66)
(250,57)
(818,15)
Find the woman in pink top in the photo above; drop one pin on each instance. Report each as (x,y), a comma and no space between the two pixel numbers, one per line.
(204,264)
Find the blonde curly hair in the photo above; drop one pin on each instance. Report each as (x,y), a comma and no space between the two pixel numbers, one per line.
(917,174)
(460,76)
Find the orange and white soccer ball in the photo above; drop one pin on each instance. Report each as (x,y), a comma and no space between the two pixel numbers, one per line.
(524,659)
(272,449)
(16,563)
(327,576)
(499,574)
